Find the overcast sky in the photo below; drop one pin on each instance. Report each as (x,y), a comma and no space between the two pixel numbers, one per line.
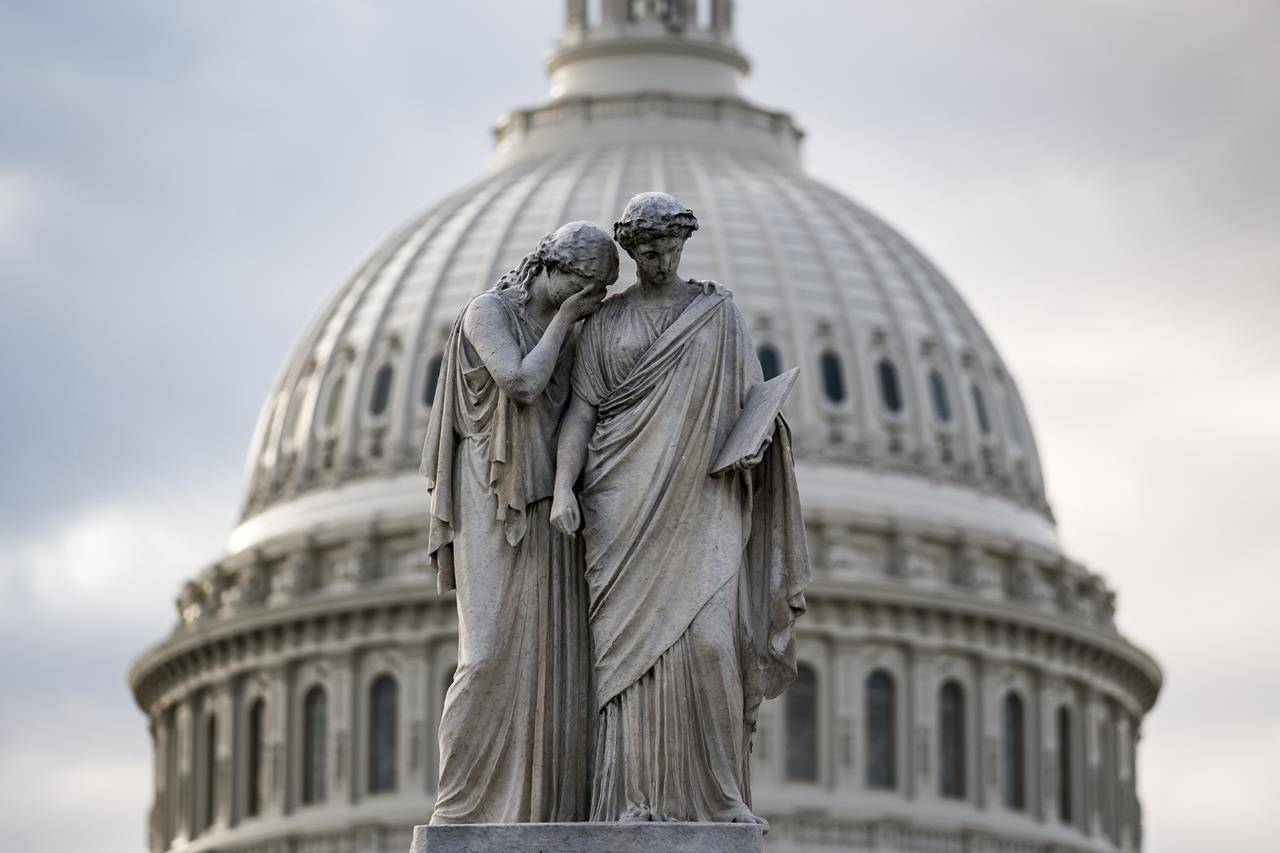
(182,184)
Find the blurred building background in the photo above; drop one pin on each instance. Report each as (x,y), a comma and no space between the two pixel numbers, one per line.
(962,684)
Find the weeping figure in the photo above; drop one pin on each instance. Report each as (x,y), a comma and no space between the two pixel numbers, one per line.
(514,732)
(694,581)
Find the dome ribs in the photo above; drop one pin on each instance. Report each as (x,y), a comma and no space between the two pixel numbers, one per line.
(837,213)
(861,406)
(717,236)
(786,286)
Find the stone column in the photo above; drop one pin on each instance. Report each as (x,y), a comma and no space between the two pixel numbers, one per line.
(909,699)
(275,730)
(1091,725)
(616,11)
(722,16)
(847,745)
(987,709)
(1135,804)
(1033,720)
(160,831)
(341,775)
(416,724)
(183,801)
(575,14)
(1124,783)
(923,721)
(1046,745)
(220,706)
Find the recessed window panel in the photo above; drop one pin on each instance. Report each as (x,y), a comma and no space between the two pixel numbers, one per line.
(941,400)
(315,738)
(433,379)
(951,740)
(381,390)
(770,360)
(1015,759)
(802,726)
(383,698)
(980,410)
(257,731)
(882,763)
(890,388)
(833,377)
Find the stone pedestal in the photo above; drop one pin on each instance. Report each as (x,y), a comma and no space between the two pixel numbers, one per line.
(589,838)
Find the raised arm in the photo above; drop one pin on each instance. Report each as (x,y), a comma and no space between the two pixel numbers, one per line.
(576,427)
(523,377)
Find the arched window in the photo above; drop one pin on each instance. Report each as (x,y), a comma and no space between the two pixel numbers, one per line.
(382,734)
(882,756)
(802,726)
(210,771)
(1015,757)
(941,400)
(770,360)
(381,390)
(1065,780)
(257,731)
(832,377)
(980,409)
(433,378)
(890,388)
(315,738)
(951,740)
(334,403)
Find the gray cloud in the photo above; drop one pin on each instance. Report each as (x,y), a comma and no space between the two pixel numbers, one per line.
(182,184)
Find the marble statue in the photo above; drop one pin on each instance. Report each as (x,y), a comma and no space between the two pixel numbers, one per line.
(694,581)
(514,732)
(616,506)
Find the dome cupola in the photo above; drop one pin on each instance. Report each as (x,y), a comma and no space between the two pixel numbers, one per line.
(647,45)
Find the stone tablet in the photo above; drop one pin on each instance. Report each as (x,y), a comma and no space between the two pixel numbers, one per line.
(590,838)
(755,423)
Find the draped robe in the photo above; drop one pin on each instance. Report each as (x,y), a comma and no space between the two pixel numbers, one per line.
(514,732)
(694,582)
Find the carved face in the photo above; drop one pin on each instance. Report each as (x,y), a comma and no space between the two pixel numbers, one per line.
(561,284)
(657,260)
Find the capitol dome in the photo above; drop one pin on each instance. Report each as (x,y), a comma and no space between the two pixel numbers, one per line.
(961,677)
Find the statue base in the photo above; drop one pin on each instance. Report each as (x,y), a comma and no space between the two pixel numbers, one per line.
(589,838)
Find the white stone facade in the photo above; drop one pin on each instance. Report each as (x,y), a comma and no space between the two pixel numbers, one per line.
(936,560)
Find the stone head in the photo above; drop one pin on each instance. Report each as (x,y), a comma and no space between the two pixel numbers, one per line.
(652,230)
(576,256)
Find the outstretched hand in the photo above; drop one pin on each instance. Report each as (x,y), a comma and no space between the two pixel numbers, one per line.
(565,515)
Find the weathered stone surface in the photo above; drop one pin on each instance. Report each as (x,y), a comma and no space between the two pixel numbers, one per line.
(589,838)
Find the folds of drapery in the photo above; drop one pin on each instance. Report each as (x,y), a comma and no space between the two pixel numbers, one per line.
(519,440)
(663,536)
(775,573)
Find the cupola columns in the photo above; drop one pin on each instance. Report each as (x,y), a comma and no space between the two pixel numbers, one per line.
(616,11)
(722,16)
(638,46)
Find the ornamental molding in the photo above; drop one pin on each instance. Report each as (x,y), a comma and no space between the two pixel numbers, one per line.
(403,617)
